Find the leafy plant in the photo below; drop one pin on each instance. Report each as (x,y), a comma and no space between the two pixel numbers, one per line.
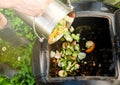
(24,77)
(17,57)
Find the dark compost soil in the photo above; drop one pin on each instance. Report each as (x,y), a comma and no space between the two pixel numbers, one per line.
(100,61)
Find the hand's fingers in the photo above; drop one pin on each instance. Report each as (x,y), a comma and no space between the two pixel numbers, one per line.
(31,7)
(3,21)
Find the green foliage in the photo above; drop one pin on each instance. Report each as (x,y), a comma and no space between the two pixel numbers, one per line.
(4,81)
(20,26)
(17,57)
(24,77)
(113,2)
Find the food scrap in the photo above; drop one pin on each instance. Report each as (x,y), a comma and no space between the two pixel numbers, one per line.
(90,45)
(59,29)
(69,54)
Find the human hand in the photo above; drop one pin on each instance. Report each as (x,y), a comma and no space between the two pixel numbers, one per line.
(3,21)
(31,7)
(28,7)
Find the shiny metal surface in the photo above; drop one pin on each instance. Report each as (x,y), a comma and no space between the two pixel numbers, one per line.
(45,24)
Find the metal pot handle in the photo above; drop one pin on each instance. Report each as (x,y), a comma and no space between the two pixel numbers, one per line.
(69,4)
(40,38)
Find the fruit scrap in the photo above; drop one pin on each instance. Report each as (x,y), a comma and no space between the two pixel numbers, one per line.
(90,45)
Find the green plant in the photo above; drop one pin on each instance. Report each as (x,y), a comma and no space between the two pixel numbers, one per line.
(24,77)
(17,57)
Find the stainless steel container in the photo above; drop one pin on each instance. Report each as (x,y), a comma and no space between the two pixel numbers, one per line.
(46,23)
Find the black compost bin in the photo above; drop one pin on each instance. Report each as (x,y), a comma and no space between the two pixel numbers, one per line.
(94,21)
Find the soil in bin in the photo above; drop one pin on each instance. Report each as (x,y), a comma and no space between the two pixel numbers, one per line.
(100,61)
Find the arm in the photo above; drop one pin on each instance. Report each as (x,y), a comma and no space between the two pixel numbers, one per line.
(28,7)
(6,3)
